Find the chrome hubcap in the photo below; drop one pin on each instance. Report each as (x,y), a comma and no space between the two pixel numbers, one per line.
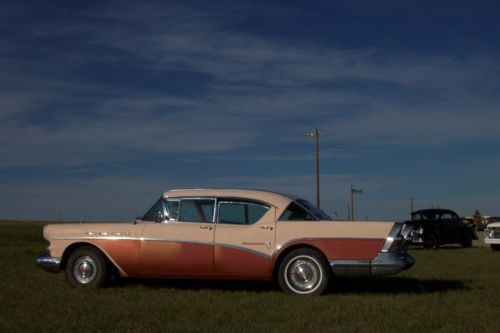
(303,274)
(85,270)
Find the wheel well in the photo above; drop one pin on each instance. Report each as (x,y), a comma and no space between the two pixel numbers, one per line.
(73,247)
(283,254)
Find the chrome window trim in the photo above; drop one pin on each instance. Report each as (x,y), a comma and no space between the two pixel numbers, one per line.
(167,210)
(289,196)
(217,200)
(242,202)
(196,198)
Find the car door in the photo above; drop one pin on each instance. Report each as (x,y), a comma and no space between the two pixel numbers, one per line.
(182,244)
(245,236)
(449,228)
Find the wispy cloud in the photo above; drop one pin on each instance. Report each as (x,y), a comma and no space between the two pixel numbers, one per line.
(121,83)
(251,78)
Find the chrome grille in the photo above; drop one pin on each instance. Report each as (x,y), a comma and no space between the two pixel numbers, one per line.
(492,232)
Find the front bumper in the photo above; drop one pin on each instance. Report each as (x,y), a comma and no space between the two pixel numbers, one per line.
(492,240)
(46,262)
(386,263)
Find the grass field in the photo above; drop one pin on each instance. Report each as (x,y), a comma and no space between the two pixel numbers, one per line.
(448,290)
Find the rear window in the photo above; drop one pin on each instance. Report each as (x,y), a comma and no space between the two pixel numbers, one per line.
(294,212)
(321,215)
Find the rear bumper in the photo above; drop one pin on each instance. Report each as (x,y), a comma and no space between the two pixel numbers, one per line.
(48,263)
(391,263)
(386,263)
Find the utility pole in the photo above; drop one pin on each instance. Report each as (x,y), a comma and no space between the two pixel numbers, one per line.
(411,203)
(316,134)
(353,191)
(352,204)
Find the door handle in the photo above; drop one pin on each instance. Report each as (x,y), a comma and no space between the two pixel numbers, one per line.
(267,227)
(206,227)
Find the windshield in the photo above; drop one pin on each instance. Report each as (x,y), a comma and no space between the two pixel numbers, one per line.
(321,215)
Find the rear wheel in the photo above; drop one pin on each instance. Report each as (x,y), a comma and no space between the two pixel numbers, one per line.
(467,241)
(86,268)
(304,272)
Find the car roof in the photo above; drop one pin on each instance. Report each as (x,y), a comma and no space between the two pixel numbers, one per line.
(279,200)
(433,211)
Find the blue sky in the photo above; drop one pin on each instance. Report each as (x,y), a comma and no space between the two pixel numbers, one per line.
(106,104)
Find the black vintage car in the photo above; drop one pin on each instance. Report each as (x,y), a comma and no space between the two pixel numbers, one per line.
(435,227)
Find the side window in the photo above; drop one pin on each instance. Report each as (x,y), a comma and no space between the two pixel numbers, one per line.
(429,216)
(173,209)
(447,217)
(196,210)
(296,213)
(155,213)
(240,212)
(255,212)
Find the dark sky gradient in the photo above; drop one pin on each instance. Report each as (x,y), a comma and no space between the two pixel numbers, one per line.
(106,104)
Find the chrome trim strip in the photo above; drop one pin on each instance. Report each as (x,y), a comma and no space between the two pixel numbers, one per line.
(168,240)
(97,237)
(351,268)
(291,197)
(245,249)
(350,262)
(384,264)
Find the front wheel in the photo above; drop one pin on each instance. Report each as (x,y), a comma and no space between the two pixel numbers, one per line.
(86,268)
(431,242)
(304,272)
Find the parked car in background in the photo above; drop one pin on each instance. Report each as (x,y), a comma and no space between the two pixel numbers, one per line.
(492,236)
(486,220)
(228,234)
(435,227)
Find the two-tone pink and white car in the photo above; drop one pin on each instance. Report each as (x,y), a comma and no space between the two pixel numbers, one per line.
(228,234)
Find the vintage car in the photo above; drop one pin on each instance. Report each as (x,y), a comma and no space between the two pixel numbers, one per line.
(228,234)
(435,227)
(492,235)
